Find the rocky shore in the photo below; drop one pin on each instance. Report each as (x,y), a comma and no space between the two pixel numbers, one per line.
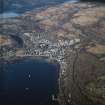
(73,35)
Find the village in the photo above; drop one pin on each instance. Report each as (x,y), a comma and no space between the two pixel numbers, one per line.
(71,34)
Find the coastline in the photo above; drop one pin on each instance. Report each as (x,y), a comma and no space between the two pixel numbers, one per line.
(72,29)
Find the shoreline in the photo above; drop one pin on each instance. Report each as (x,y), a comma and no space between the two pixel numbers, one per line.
(73,29)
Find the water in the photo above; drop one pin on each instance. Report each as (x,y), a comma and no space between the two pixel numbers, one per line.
(11,11)
(8,15)
(18,40)
(28,82)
